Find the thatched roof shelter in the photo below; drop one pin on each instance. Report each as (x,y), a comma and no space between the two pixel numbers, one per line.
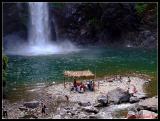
(79,74)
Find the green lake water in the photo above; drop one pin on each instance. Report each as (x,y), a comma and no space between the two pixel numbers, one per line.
(29,71)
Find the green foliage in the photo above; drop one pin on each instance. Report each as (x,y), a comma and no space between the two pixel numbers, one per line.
(141,7)
(93,21)
(5,62)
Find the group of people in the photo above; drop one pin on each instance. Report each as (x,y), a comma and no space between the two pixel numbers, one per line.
(81,88)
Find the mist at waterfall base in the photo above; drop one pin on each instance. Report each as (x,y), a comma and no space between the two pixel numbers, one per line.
(16,46)
(39,38)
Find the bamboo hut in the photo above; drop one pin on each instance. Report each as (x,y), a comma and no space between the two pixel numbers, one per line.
(78,74)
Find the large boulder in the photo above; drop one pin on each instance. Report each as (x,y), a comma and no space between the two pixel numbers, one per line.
(145,114)
(31,104)
(118,96)
(149,104)
(102,99)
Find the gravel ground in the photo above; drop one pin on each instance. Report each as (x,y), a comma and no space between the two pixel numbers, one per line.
(49,94)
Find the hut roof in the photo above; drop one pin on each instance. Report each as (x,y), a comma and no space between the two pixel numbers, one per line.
(85,73)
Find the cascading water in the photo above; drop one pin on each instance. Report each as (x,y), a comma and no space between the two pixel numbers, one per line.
(39,33)
(39,40)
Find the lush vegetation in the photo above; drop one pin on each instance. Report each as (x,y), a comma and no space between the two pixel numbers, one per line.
(141,7)
(5,61)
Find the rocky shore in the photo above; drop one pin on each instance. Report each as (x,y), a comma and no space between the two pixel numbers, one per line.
(111,99)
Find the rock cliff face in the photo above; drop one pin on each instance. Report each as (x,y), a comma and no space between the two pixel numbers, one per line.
(90,23)
(15,19)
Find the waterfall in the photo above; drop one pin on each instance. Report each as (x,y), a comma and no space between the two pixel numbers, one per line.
(39,32)
(39,40)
